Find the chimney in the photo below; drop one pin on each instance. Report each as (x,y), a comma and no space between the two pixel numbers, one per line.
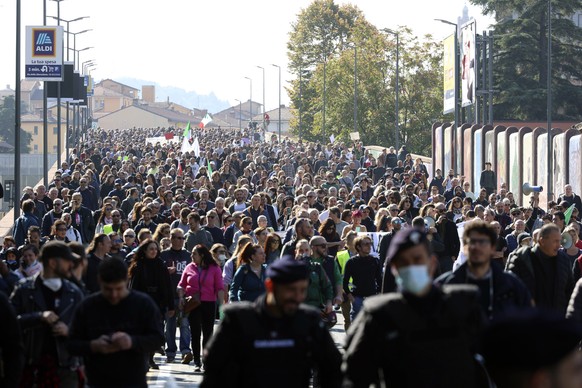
(148,93)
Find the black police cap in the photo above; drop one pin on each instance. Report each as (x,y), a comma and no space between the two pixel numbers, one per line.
(287,270)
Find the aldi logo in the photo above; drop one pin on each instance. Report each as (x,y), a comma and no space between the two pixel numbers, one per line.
(44,42)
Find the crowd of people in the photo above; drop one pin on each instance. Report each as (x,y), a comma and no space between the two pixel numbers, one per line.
(131,241)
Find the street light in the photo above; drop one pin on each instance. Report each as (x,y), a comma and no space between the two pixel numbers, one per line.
(397,100)
(279,67)
(250,99)
(17,93)
(78,54)
(355,47)
(239,114)
(68,22)
(74,43)
(264,110)
(549,103)
(59,140)
(458,159)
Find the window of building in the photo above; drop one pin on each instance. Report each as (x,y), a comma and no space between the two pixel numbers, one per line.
(55,130)
(36,148)
(55,149)
(36,129)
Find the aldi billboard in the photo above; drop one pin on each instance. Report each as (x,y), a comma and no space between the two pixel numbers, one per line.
(44,53)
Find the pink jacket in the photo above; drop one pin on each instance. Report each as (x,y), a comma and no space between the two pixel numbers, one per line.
(210,279)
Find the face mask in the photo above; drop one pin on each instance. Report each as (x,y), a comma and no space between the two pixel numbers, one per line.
(32,269)
(53,284)
(413,278)
(222,258)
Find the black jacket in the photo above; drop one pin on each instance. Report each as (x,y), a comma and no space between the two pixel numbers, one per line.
(412,341)
(84,224)
(509,292)
(522,261)
(251,345)
(29,302)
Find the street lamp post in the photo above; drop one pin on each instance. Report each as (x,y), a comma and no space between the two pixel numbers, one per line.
(300,100)
(59,140)
(68,22)
(239,114)
(279,67)
(250,99)
(549,103)
(457,160)
(264,110)
(397,99)
(44,117)
(355,47)
(17,93)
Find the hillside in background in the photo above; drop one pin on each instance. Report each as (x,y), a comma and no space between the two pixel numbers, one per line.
(180,96)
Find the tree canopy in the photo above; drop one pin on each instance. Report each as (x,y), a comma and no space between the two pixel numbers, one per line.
(7,125)
(520,62)
(327,43)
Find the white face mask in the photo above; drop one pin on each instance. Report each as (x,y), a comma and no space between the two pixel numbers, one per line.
(413,278)
(53,284)
(222,258)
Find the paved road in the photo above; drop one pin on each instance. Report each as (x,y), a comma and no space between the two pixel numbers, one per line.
(178,375)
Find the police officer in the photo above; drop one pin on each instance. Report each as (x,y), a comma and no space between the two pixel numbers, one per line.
(422,336)
(274,341)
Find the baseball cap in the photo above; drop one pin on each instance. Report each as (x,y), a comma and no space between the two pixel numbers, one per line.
(118,181)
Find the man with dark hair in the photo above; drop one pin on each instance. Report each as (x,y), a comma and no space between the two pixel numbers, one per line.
(253,338)
(488,181)
(115,330)
(546,274)
(25,221)
(500,292)
(176,259)
(303,231)
(44,305)
(421,336)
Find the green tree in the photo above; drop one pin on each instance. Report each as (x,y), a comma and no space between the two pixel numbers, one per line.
(520,62)
(7,125)
(347,29)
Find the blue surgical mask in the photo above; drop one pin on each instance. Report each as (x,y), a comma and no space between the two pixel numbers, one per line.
(413,278)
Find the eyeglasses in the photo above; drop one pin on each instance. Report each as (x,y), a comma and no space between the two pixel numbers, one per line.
(117,240)
(478,241)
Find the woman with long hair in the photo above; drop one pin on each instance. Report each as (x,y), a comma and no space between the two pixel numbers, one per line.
(149,274)
(249,280)
(455,209)
(59,231)
(105,218)
(201,279)
(272,247)
(162,230)
(328,231)
(231,265)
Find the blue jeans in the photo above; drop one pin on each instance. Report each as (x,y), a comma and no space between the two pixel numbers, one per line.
(356,307)
(171,324)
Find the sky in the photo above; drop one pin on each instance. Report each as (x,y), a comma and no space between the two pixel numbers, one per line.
(205,46)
